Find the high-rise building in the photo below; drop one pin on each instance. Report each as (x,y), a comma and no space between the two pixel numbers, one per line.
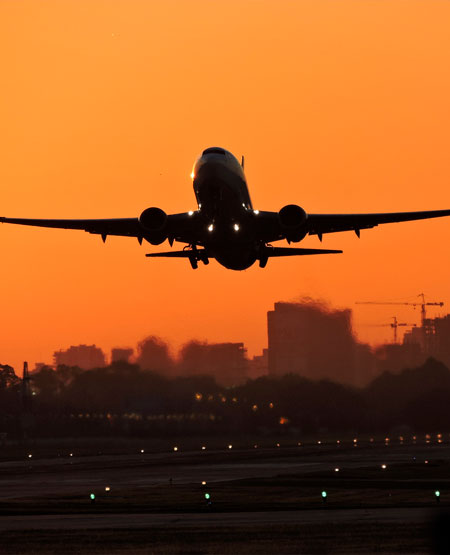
(258,365)
(311,340)
(441,339)
(119,354)
(83,356)
(226,362)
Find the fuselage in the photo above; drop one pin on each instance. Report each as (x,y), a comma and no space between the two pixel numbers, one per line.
(225,207)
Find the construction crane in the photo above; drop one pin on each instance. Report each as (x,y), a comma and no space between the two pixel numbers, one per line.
(394,325)
(422,305)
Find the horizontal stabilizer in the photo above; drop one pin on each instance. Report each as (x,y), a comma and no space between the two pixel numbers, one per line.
(286,251)
(176,254)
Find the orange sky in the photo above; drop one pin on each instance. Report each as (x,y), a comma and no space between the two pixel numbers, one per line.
(339,106)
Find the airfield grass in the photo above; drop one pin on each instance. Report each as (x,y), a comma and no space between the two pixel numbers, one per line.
(261,540)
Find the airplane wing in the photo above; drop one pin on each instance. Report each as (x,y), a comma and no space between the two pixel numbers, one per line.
(269,227)
(318,224)
(113,226)
(179,226)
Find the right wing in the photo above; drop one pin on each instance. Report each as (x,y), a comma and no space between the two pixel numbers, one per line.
(113,226)
(181,227)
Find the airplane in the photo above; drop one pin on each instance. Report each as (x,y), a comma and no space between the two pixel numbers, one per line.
(225,225)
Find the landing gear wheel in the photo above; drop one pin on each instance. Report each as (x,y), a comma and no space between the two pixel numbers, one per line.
(193,262)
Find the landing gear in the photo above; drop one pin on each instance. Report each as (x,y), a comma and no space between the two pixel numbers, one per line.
(203,257)
(195,255)
(263,261)
(263,256)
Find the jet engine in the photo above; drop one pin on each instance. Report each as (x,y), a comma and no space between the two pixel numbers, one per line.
(154,221)
(292,219)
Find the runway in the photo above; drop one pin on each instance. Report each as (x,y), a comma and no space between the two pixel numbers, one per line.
(258,497)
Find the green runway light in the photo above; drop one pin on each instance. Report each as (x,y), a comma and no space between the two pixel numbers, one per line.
(437,493)
(92,496)
(324,494)
(207,496)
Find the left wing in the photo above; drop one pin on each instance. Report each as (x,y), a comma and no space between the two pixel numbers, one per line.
(270,229)
(318,224)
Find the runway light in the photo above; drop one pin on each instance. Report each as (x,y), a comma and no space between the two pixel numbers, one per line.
(142,451)
(437,494)
(299,443)
(255,446)
(338,442)
(278,444)
(383,466)
(230,446)
(355,440)
(324,495)
(107,488)
(70,454)
(203,483)
(191,213)
(175,448)
(336,469)
(210,227)
(426,462)
(203,447)
(319,442)
(207,496)
(30,455)
(236,227)
(92,496)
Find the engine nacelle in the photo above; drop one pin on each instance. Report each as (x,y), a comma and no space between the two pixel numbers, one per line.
(154,221)
(293,220)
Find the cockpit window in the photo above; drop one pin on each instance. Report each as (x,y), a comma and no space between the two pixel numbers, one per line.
(214,150)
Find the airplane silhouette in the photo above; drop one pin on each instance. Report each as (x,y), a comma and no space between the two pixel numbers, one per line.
(225,226)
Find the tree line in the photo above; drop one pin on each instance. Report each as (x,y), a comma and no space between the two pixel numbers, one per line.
(123,398)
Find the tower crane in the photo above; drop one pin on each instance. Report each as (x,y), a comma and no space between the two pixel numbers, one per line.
(427,329)
(394,325)
(422,305)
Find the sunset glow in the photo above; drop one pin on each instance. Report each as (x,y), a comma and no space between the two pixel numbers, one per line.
(338,106)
